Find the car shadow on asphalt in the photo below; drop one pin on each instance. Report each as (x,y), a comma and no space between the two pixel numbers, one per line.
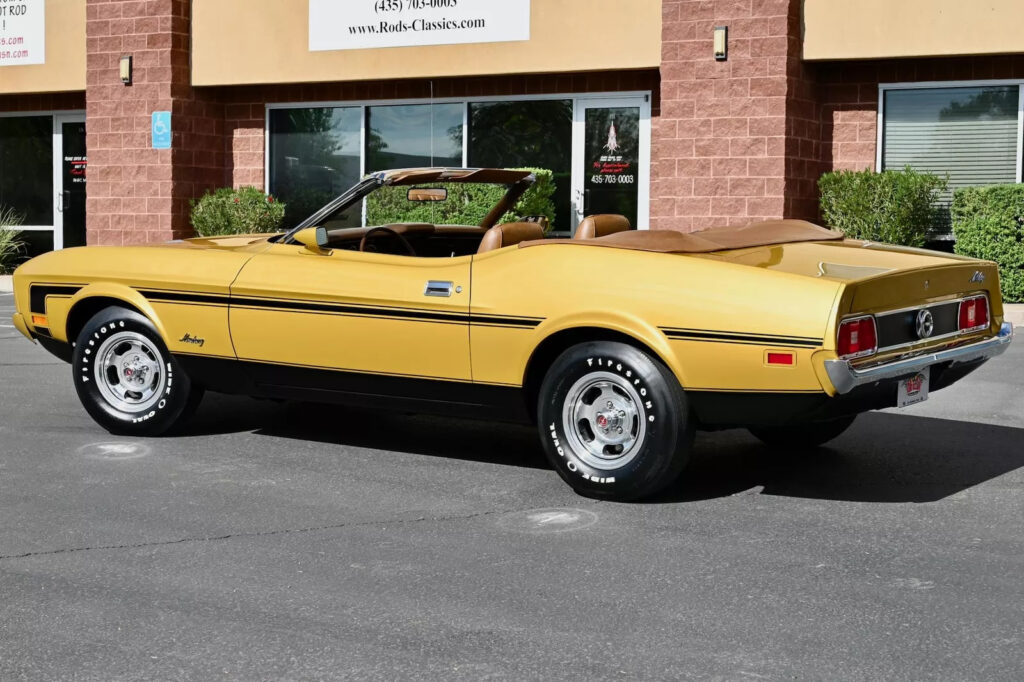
(883,457)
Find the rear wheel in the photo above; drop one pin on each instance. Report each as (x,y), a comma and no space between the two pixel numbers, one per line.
(802,437)
(614,421)
(127,380)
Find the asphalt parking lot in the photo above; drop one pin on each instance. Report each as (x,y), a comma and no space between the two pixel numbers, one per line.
(274,542)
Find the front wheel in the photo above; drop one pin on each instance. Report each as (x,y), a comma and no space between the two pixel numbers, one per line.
(127,380)
(614,421)
(801,437)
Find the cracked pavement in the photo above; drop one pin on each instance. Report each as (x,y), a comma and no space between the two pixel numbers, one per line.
(284,542)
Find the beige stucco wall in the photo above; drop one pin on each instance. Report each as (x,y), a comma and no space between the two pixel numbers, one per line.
(871,29)
(65,54)
(266,41)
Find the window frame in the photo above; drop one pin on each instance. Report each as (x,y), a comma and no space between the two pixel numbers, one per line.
(936,85)
(644,163)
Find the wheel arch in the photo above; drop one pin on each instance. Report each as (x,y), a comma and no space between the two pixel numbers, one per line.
(96,297)
(558,341)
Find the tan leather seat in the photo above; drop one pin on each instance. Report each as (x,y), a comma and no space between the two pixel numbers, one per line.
(595,226)
(508,234)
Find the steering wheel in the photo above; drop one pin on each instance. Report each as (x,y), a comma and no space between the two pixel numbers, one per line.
(405,242)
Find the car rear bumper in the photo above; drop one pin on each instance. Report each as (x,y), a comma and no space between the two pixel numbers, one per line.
(845,377)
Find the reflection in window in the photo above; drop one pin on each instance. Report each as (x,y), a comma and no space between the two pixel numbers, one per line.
(968,133)
(314,156)
(413,136)
(26,167)
(530,134)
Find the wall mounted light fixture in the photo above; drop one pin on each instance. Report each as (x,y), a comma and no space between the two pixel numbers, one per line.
(125,69)
(721,43)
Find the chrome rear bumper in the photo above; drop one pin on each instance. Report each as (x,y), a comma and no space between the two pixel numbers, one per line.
(845,377)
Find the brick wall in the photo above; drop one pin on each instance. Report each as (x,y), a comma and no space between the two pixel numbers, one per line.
(47,101)
(135,193)
(848,93)
(720,148)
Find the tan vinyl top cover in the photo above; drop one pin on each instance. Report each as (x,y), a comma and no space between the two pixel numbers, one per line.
(713,239)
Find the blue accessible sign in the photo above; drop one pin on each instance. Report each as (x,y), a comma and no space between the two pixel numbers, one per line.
(161,130)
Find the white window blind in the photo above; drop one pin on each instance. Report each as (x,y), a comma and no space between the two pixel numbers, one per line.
(969,133)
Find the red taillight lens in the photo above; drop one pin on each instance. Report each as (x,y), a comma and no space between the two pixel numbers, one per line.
(973,313)
(857,337)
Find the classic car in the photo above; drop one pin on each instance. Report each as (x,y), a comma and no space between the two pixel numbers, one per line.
(618,343)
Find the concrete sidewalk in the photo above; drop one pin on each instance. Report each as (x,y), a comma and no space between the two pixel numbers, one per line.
(1014,311)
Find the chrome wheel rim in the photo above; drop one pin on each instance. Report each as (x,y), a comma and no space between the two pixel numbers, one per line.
(604,420)
(129,372)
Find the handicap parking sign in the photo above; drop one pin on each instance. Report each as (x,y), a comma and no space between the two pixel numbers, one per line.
(161,130)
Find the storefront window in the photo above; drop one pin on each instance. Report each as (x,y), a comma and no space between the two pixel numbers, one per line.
(526,134)
(413,136)
(26,167)
(968,133)
(315,155)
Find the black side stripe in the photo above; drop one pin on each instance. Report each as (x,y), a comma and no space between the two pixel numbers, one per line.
(752,339)
(340,309)
(38,293)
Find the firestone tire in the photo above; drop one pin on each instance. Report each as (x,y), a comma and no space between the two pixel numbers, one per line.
(614,421)
(125,377)
(800,438)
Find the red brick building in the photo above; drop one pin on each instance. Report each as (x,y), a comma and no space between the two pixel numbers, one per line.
(290,97)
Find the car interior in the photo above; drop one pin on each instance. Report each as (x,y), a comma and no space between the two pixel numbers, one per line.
(426,240)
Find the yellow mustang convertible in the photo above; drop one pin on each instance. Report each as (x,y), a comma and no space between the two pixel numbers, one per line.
(618,343)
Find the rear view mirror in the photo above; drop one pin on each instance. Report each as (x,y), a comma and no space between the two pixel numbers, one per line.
(427,194)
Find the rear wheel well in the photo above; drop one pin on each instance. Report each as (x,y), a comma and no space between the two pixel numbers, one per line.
(553,346)
(83,311)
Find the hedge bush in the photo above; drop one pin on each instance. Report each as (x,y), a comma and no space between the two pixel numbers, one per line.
(467,204)
(893,207)
(236,211)
(10,244)
(988,222)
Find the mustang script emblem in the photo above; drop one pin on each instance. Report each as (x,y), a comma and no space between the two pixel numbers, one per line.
(194,340)
(978,276)
(925,324)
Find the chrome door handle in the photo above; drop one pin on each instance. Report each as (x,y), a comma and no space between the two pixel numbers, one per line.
(436,288)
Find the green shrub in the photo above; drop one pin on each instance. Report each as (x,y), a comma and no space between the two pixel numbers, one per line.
(893,207)
(467,204)
(10,243)
(988,223)
(236,211)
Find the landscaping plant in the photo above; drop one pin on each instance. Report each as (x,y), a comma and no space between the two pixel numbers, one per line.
(988,223)
(467,204)
(236,211)
(10,244)
(894,207)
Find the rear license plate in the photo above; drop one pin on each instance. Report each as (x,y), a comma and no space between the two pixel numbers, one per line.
(913,389)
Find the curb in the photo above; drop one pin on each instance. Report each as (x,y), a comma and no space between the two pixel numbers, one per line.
(1014,314)
(6,283)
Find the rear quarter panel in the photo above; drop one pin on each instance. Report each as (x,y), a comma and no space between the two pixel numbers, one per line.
(640,294)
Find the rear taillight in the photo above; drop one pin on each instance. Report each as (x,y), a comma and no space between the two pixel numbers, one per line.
(857,337)
(973,314)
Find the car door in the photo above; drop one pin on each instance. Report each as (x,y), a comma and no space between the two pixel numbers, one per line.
(347,322)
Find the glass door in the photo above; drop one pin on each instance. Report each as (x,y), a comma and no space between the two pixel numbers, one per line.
(69,166)
(611,158)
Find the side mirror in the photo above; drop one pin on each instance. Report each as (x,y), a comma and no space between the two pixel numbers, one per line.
(427,194)
(313,238)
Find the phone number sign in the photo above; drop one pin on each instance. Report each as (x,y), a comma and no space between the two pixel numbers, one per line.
(369,24)
(22,32)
